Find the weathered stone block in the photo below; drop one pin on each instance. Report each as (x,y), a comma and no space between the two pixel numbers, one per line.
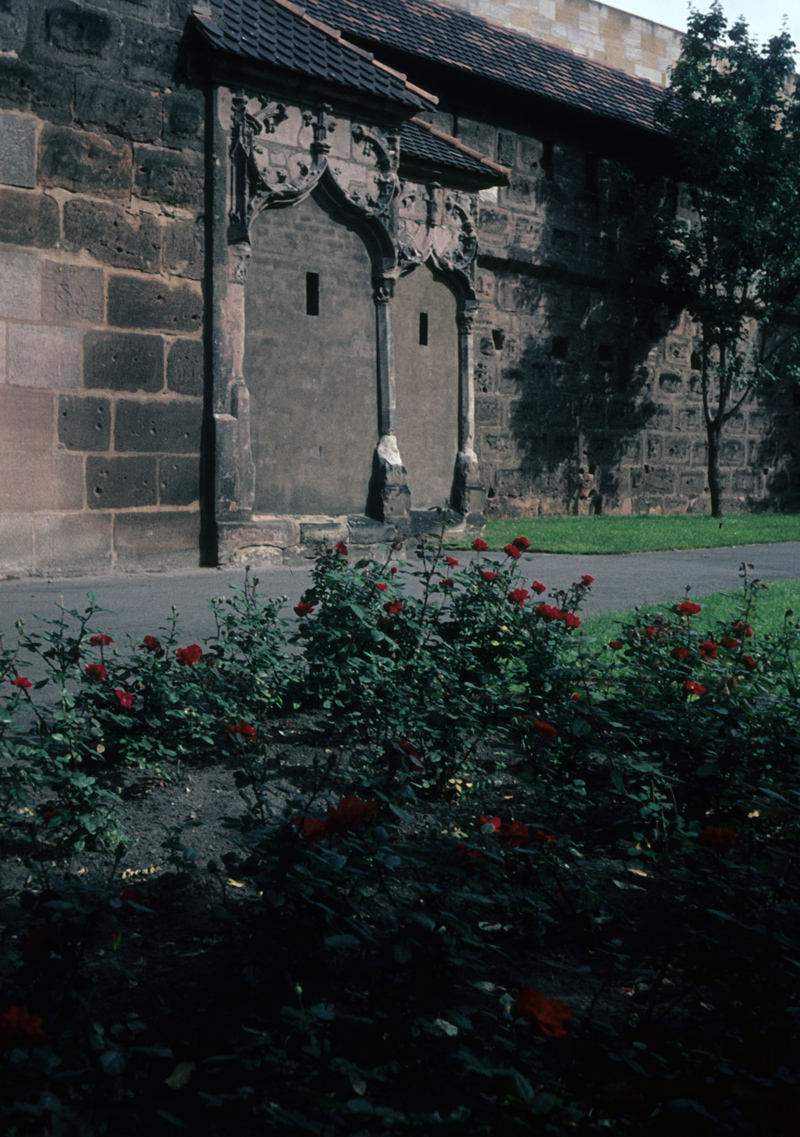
(16,541)
(168,427)
(84,423)
(654,447)
(28,219)
(114,482)
(72,294)
(3,352)
(17,150)
(184,119)
(731,452)
(123,361)
(134,303)
(156,541)
(178,481)
(691,482)
(20,285)
(487,411)
(677,450)
(76,31)
(670,383)
(690,419)
(183,249)
(185,367)
(44,356)
(117,109)
(659,479)
(13,24)
(45,91)
(149,54)
(26,419)
(30,481)
(169,176)
(83,162)
(113,236)
(73,542)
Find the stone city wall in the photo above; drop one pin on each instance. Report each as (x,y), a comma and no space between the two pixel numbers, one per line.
(101,307)
(586,401)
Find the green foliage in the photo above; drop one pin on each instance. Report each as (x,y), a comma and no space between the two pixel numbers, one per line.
(731,257)
(601,934)
(610,534)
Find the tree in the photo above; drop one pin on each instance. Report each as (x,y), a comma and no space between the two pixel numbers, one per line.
(731,257)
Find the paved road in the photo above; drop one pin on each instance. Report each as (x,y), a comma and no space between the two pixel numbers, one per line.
(139,604)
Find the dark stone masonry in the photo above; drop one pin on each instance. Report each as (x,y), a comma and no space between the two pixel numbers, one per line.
(244,307)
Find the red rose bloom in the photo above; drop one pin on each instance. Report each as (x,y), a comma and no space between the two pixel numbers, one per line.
(518,596)
(96,671)
(151,644)
(694,688)
(719,840)
(679,653)
(394,608)
(513,833)
(587,579)
(349,814)
(245,729)
(744,630)
(341,548)
(468,858)
(100,641)
(542,837)
(511,551)
(22,683)
(538,587)
(493,821)
(402,753)
(186,656)
(489,577)
(382,587)
(708,650)
(522,543)
(305,607)
(125,698)
(18,1027)
(687,608)
(617,645)
(544,729)
(312,828)
(729,642)
(479,545)
(651,632)
(451,561)
(546,612)
(749,662)
(446,582)
(549,1014)
(569,618)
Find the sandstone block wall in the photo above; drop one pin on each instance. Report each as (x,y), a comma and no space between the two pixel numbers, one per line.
(588,28)
(586,399)
(101,306)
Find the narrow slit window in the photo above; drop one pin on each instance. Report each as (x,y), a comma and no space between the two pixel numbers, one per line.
(423,329)
(312,293)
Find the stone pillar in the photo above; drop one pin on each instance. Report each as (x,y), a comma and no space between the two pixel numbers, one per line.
(389,495)
(469,496)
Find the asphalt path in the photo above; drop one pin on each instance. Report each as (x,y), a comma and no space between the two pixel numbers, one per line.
(139,604)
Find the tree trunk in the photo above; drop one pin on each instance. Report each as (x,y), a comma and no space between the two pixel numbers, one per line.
(713,430)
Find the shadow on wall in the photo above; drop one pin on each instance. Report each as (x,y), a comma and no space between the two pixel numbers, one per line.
(579,395)
(772,479)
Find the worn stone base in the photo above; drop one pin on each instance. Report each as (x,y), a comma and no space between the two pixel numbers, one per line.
(268,540)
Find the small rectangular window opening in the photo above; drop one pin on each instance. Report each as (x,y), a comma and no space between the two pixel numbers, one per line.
(546,161)
(423,329)
(312,293)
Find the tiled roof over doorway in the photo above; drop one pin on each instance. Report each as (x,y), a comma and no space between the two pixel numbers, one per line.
(286,36)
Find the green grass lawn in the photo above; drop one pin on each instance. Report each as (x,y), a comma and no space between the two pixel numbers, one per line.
(607,534)
(767,616)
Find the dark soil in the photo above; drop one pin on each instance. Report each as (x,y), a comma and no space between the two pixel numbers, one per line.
(185,1004)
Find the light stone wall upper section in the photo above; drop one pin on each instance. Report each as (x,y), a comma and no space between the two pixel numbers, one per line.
(587,28)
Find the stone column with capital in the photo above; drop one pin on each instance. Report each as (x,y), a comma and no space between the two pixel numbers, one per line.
(469,496)
(389,495)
